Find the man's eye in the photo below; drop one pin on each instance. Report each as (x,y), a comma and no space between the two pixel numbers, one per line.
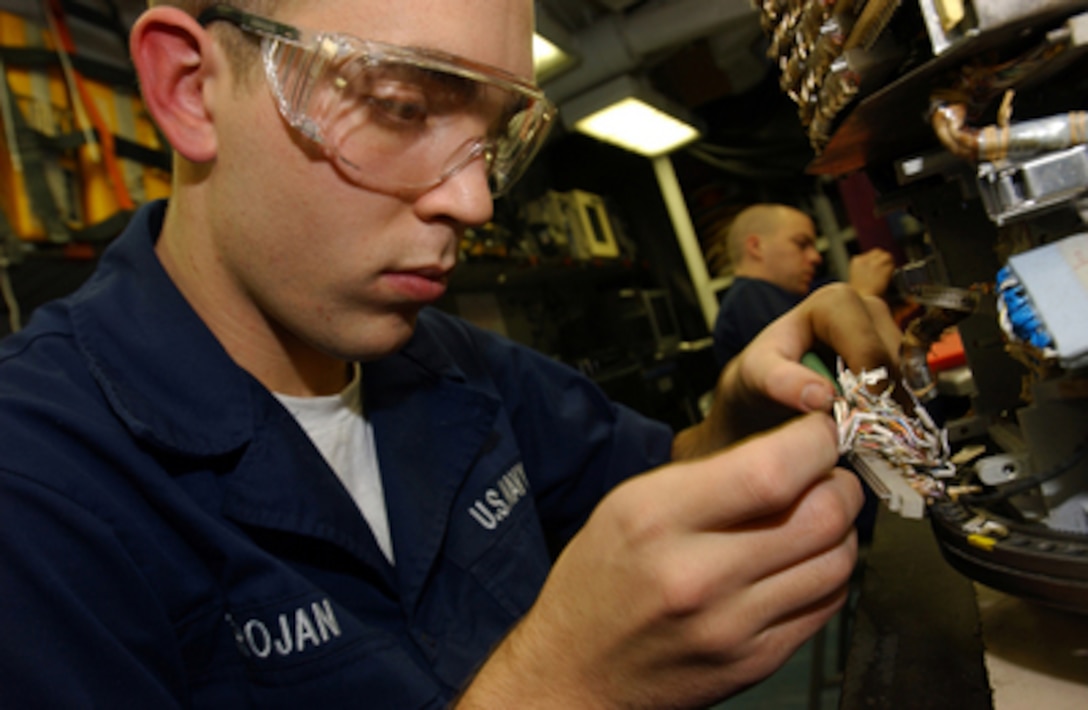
(399,105)
(403,111)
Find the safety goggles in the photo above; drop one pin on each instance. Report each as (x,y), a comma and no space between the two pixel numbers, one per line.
(398,120)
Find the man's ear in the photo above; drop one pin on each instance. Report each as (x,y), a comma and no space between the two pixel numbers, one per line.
(753,247)
(174,58)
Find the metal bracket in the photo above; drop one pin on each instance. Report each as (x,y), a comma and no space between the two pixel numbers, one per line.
(1017,189)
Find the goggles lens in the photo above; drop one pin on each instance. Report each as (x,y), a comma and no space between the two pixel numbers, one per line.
(396,119)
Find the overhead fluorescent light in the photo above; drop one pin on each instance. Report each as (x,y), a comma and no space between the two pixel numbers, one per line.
(627,113)
(548,58)
(637,126)
(554,49)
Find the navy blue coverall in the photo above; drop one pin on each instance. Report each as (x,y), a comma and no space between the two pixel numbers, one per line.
(171,537)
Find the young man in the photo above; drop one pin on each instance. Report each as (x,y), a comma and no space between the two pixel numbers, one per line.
(209,502)
(773,251)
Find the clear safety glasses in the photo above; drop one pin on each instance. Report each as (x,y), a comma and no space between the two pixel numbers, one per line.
(398,120)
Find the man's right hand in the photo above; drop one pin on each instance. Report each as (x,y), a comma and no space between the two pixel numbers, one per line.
(871,272)
(689,583)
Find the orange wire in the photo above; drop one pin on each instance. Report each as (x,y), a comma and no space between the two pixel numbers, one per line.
(105,136)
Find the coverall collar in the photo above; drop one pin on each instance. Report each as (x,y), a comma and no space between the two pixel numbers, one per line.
(143,337)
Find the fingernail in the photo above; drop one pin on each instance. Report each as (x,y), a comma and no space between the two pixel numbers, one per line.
(816,397)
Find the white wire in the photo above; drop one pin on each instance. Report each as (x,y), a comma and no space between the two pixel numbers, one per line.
(14,314)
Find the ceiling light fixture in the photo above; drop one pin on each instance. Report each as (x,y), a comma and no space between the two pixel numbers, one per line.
(628,113)
(553,48)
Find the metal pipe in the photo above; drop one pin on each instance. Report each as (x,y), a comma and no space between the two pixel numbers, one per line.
(1030,137)
(997,142)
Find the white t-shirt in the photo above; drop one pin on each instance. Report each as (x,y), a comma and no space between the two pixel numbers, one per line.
(339,428)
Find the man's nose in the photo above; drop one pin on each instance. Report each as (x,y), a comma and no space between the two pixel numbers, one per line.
(464,197)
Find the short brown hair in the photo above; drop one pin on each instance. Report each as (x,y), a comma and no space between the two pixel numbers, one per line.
(239,48)
(195,7)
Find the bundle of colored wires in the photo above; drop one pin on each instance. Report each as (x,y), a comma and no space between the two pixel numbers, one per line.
(1017,316)
(871,420)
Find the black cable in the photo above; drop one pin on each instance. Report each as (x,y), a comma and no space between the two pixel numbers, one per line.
(1025,484)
